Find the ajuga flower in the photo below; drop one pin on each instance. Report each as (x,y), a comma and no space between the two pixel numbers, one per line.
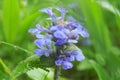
(61,33)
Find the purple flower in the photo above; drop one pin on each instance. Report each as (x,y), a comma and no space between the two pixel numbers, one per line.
(74,34)
(75,55)
(83,32)
(38,30)
(67,65)
(50,13)
(44,45)
(62,60)
(43,42)
(60,42)
(62,11)
(43,51)
(59,35)
(78,55)
(78,28)
(53,28)
(47,11)
(62,34)
(40,43)
(66,58)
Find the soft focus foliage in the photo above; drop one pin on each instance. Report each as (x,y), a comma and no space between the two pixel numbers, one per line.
(102,50)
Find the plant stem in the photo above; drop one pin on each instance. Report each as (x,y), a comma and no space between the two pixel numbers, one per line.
(56,72)
(57,68)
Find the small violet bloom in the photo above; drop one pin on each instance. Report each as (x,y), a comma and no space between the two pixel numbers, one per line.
(66,59)
(62,11)
(60,34)
(62,60)
(44,45)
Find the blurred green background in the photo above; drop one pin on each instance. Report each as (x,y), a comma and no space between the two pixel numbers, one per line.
(100,17)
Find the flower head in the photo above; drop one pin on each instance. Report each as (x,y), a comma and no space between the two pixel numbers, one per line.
(61,34)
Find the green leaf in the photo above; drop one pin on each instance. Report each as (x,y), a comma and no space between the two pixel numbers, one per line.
(95,24)
(113,66)
(26,65)
(26,23)
(3,75)
(7,70)
(37,74)
(84,65)
(110,7)
(100,70)
(10,19)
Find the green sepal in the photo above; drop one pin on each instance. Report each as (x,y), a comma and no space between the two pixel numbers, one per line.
(46,61)
(71,47)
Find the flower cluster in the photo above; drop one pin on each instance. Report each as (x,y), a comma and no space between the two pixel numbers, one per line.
(61,33)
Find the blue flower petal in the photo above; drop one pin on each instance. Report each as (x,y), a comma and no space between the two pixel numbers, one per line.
(80,57)
(47,11)
(53,28)
(83,32)
(46,53)
(33,30)
(77,52)
(42,29)
(62,11)
(67,65)
(66,31)
(40,43)
(59,35)
(39,36)
(58,62)
(60,42)
(39,52)
(71,58)
(48,43)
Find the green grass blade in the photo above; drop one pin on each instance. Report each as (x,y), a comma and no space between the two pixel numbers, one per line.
(7,70)
(10,19)
(95,24)
(26,23)
(112,8)
(100,71)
